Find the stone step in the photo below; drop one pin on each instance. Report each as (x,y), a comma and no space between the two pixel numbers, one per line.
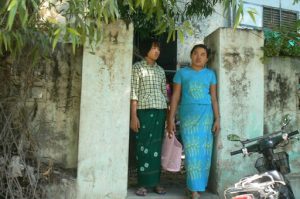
(172,193)
(174,183)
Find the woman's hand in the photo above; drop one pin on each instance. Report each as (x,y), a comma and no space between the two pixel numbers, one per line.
(216,127)
(171,128)
(135,124)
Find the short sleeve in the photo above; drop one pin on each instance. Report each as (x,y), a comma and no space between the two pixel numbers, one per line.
(135,83)
(213,78)
(177,77)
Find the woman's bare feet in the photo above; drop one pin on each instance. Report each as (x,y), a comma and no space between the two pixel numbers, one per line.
(195,195)
(192,194)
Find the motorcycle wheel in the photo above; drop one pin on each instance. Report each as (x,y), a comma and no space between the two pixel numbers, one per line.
(285,192)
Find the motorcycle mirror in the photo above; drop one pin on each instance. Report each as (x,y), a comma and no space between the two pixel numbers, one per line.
(286,120)
(233,137)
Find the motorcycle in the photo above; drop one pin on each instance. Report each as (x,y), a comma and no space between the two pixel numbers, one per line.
(270,182)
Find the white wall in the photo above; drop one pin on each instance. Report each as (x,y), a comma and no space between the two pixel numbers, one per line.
(104,116)
(258,5)
(202,28)
(285,4)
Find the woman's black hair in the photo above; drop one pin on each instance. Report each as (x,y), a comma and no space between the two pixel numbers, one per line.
(146,45)
(201,46)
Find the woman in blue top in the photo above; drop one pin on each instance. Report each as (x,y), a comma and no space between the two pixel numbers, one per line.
(195,87)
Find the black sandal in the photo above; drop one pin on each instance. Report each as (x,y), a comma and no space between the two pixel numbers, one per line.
(142,191)
(159,190)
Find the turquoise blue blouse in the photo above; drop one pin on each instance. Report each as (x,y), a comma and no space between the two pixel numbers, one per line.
(195,85)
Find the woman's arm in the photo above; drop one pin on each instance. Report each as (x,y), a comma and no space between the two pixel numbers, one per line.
(173,107)
(135,84)
(134,120)
(215,106)
(164,87)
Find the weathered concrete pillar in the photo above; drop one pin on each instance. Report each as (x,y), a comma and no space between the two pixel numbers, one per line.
(236,58)
(104,115)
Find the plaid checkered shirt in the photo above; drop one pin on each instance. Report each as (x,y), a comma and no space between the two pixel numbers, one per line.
(148,86)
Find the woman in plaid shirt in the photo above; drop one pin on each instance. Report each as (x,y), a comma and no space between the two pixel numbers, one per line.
(147,116)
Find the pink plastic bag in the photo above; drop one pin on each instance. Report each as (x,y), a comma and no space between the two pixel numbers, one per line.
(171,154)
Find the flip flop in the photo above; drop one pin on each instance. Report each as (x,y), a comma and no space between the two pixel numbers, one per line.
(142,191)
(159,190)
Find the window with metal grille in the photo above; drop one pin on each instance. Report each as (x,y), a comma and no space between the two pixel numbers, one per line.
(288,20)
(275,18)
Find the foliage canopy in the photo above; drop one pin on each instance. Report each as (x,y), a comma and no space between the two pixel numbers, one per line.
(40,24)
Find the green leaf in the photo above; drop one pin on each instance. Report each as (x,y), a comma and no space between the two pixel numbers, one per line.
(23,4)
(238,17)
(91,33)
(154,2)
(56,38)
(1,40)
(181,36)
(116,10)
(36,7)
(130,4)
(23,14)
(174,35)
(233,3)
(72,31)
(161,28)
(5,41)
(137,3)
(169,36)
(143,3)
(12,8)
(74,43)
(13,4)
(227,4)
(252,14)
(105,15)
(18,42)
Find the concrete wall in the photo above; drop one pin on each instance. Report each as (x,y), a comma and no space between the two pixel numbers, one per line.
(65,188)
(55,100)
(281,92)
(202,28)
(282,97)
(236,58)
(104,116)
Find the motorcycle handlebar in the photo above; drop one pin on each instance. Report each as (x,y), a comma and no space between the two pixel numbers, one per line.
(236,152)
(254,147)
(293,133)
